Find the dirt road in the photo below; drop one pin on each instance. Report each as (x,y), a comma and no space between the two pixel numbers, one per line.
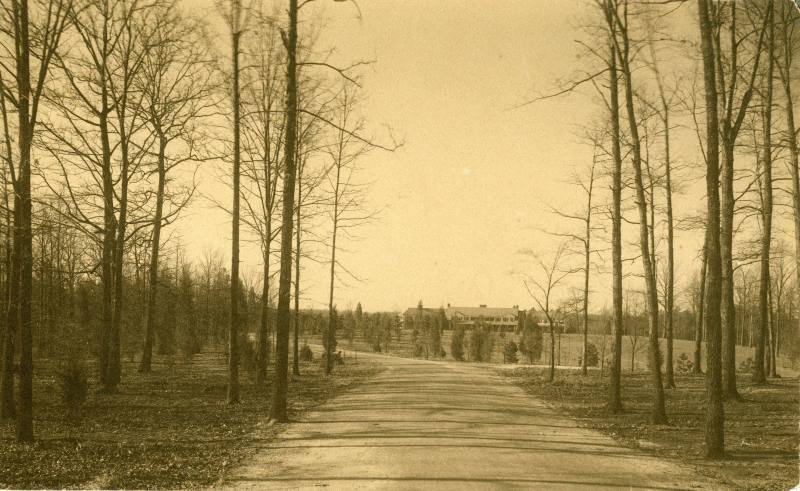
(432,425)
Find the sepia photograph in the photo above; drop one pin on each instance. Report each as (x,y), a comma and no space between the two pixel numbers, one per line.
(401,245)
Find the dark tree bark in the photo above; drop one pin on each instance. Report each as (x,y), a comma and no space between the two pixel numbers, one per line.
(788,19)
(759,374)
(730,121)
(233,333)
(152,293)
(295,347)
(278,410)
(715,412)
(29,90)
(615,383)
(698,329)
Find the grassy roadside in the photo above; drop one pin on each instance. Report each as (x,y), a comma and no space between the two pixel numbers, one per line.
(761,432)
(167,429)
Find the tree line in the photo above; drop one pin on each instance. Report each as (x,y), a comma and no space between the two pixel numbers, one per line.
(729,89)
(108,111)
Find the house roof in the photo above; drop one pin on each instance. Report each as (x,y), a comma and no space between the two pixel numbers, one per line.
(413,311)
(482,311)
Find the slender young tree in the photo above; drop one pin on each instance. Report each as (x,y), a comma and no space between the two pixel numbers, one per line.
(177,88)
(615,384)
(346,195)
(584,241)
(262,140)
(658,415)
(542,290)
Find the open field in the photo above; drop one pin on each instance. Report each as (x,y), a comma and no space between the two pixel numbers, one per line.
(570,349)
(170,428)
(761,432)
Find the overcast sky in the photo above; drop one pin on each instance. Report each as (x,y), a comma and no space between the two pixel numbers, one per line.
(473,182)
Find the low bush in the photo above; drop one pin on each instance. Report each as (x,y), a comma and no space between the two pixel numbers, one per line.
(306,354)
(684,364)
(510,352)
(73,383)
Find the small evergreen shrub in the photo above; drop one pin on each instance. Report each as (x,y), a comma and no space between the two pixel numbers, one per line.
(73,384)
(684,364)
(510,352)
(746,365)
(306,354)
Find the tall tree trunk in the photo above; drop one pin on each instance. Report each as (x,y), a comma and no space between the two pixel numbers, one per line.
(615,383)
(295,347)
(729,130)
(262,356)
(233,333)
(794,157)
(152,294)
(701,302)
(552,373)
(7,408)
(25,410)
(114,359)
(715,411)
(658,414)
(330,334)
(759,375)
(11,292)
(728,306)
(586,265)
(670,293)
(107,258)
(278,407)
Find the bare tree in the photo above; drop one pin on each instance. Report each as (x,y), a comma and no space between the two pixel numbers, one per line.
(542,289)
(734,103)
(263,132)
(235,21)
(346,195)
(759,375)
(584,239)
(715,411)
(177,88)
(610,12)
(788,37)
(278,408)
(35,33)
(658,415)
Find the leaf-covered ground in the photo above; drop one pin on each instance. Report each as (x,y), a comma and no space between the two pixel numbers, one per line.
(761,432)
(167,429)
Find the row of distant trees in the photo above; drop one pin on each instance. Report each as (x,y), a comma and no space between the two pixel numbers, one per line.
(108,109)
(727,86)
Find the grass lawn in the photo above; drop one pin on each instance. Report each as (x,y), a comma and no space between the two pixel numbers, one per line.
(167,429)
(761,432)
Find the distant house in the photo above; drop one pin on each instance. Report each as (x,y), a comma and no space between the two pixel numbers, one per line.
(557,324)
(495,318)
